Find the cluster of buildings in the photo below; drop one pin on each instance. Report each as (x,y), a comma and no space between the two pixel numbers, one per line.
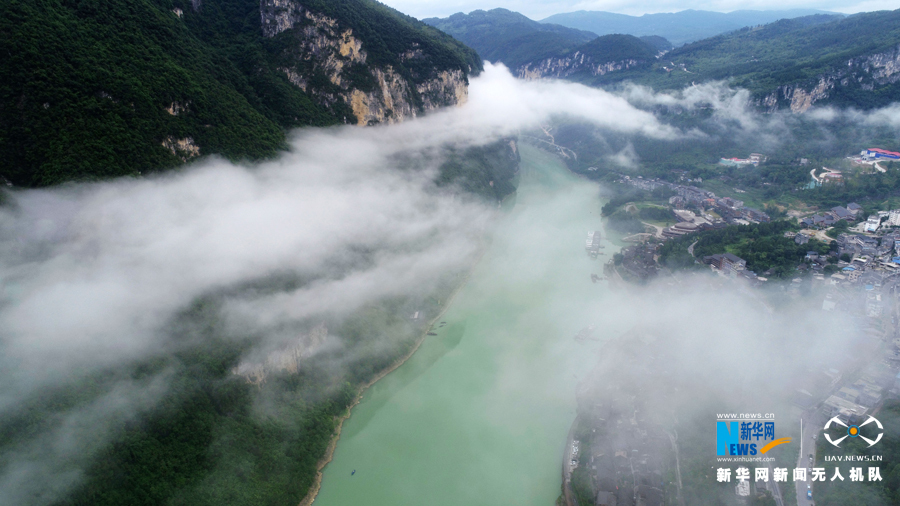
(864,289)
(733,266)
(734,211)
(873,154)
(852,403)
(726,262)
(872,262)
(638,262)
(829,218)
(755,159)
(730,210)
(880,377)
(866,247)
(849,402)
(882,219)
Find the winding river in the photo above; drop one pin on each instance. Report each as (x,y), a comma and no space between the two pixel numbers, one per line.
(480,414)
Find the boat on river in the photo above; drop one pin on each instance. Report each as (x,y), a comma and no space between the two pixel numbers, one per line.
(585,333)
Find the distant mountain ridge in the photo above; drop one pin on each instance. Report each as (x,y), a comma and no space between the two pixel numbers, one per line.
(678,27)
(789,64)
(501,35)
(601,56)
(533,50)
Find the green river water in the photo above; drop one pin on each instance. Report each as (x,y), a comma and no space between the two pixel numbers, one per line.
(480,413)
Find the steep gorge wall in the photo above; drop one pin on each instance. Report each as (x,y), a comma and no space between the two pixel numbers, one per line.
(576,63)
(374,94)
(867,73)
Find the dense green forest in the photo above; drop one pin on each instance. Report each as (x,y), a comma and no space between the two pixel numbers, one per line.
(85,88)
(628,221)
(488,171)
(212,436)
(508,37)
(679,27)
(500,35)
(763,246)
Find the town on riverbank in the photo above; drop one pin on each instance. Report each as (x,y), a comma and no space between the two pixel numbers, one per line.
(634,440)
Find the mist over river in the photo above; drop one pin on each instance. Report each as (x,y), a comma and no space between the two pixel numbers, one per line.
(480,413)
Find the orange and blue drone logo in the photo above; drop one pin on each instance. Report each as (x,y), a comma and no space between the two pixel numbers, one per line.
(853,431)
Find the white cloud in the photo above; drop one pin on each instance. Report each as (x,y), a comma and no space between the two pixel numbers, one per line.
(93,273)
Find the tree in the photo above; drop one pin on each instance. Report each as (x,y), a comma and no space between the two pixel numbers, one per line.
(839,228)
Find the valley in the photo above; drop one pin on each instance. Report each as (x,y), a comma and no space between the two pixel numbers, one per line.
(281,252)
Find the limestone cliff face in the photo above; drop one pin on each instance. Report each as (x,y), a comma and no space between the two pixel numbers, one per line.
(374,94)
(866,72)
(565,66)
(285,359)
(184,148)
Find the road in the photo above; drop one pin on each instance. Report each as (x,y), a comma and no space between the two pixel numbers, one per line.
(561,150)
(657,228)
(812,423)
(773,487)
(691,247)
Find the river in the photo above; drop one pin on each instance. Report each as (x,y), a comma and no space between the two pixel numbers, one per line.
(480,413)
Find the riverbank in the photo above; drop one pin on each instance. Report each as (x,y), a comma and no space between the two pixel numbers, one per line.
(329,452)
(479,414)
(313,492)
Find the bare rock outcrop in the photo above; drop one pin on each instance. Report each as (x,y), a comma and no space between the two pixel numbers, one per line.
(374,93)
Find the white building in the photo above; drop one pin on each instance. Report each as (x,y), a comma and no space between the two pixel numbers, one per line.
(894,217)
(872,223)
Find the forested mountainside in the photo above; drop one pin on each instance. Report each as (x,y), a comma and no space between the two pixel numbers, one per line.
(789,64)
(91,89)
(609,53)
(237,420)
(533,50)
(501,35)
(678,27)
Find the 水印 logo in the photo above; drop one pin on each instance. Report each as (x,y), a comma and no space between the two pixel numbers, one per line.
(746,435)
(852,431)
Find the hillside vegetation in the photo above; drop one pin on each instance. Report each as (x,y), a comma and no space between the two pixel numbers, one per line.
(795,53)
(92,89)
(500,35)
(678,27)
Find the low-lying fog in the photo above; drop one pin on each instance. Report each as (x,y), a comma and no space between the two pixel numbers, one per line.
(92,274)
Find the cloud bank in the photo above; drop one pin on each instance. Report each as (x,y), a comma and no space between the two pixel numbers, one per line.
(93,274)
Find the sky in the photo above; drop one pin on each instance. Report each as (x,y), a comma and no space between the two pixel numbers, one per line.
(540,9)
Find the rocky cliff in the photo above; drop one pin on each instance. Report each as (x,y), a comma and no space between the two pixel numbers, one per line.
(601,56)
(576,63)
(327,59)
(863,73)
